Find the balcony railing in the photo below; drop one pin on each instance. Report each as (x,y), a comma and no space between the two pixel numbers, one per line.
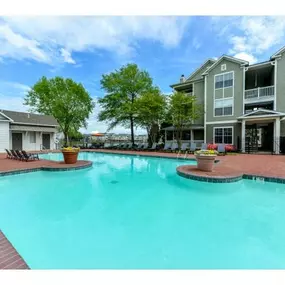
(259,93)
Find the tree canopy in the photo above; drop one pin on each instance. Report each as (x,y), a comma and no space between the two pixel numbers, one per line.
(67,101)
(183,111)
(150,112)
(122,88)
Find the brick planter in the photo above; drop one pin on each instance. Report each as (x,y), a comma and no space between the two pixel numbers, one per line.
(205,162)
(70,157)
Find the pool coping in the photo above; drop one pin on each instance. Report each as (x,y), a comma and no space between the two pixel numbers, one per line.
(56,168)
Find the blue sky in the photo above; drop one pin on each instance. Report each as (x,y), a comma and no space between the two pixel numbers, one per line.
(84,48)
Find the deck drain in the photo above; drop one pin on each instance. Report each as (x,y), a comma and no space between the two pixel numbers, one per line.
(114,181)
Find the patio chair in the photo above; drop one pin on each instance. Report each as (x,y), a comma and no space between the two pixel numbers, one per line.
(14,154)
(167,146)
(9,154)
(29,156)
(221,149)
(153,147)
(193,147)
(174,147)
(144,146)
(19,155)
(184,146)
(138,146)
(107,145)
(204,146)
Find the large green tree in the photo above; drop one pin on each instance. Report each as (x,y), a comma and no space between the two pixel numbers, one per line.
(67,101)
(183,110)
(150,112)
(123,86)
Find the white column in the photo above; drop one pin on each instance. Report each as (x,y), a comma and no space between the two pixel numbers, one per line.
(277,136)
(243,135)
(192,136)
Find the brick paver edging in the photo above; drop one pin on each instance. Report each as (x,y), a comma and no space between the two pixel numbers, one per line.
(209,177)
(86,164)
(9,257)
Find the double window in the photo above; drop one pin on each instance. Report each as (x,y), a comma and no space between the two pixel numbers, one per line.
(224,80)
(223,135)
(223,95)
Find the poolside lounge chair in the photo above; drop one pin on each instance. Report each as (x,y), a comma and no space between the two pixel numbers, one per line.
(184,146)
(174,147)
(167,146)
(9,154)
(193,147)
(107,145)
(19,155)
(144,146)
(153,147)
(138,146)
(221,149)
(204,146)
(29,156)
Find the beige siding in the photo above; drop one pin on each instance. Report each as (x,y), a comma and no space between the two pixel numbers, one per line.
(4,136)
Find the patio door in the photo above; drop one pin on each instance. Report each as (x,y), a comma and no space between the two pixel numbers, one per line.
(46,141)
(17,141)
(251,138)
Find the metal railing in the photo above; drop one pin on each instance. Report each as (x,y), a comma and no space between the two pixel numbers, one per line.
(259,93)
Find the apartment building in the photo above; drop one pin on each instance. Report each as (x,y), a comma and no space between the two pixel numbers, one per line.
(244,104)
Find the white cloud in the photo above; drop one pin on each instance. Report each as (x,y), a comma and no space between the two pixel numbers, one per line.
(250,37)
(196,43)
(54,39)
(67,56)
(245,56)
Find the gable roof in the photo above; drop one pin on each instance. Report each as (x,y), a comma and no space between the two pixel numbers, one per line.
(262,112)
(229,58)
(2,115)
(278,53)
(29,119)
(210,60)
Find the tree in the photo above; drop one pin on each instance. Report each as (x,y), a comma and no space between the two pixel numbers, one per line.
(67,101)
(150,112)
(184,110)
(123,86)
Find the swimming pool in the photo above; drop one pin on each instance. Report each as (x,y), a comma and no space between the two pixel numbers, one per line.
(131,212)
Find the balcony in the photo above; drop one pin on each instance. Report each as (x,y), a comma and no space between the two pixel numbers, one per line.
(260,94)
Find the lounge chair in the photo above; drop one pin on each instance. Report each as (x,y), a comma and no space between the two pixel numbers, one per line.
(193,147)
(138,146)
(30,156)
(14,154)
(174,147)
(184,146)
(204,146)
(221,149)
(9,154)
(167,146)
(107,145)
(19,155)
(153,147)
(144,146)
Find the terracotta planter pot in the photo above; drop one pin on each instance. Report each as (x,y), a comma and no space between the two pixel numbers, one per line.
(205,162)
(70,157)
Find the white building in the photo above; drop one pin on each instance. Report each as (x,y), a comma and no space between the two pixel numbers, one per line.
(26,131)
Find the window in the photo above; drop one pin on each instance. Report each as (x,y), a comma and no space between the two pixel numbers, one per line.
(223,135)
(224,80)
(224,107)
(32,137)
(223,67)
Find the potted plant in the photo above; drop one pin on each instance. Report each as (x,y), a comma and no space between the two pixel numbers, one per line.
(70,154)
(206,159)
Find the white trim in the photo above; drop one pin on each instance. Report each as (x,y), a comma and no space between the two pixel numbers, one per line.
(31,124)
(259,64)
(198,69)
(229,58)
(205,107)
(223,122)
(6,117)
(223,127)
(233,87)
(243,90)
(193,89)
(269,112)
(275,84)
(255,118)
(278,53)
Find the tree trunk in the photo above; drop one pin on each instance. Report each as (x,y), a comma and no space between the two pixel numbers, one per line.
(132,131)
(65,139)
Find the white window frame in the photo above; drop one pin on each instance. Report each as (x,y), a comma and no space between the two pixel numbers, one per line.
(223,88)
(223,127)
(35,137)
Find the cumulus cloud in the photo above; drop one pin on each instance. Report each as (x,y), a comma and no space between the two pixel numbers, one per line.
(54,39)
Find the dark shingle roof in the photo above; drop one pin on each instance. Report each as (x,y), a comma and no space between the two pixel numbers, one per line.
(29,118)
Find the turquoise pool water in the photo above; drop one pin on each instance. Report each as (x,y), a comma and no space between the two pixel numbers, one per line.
(135,212)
